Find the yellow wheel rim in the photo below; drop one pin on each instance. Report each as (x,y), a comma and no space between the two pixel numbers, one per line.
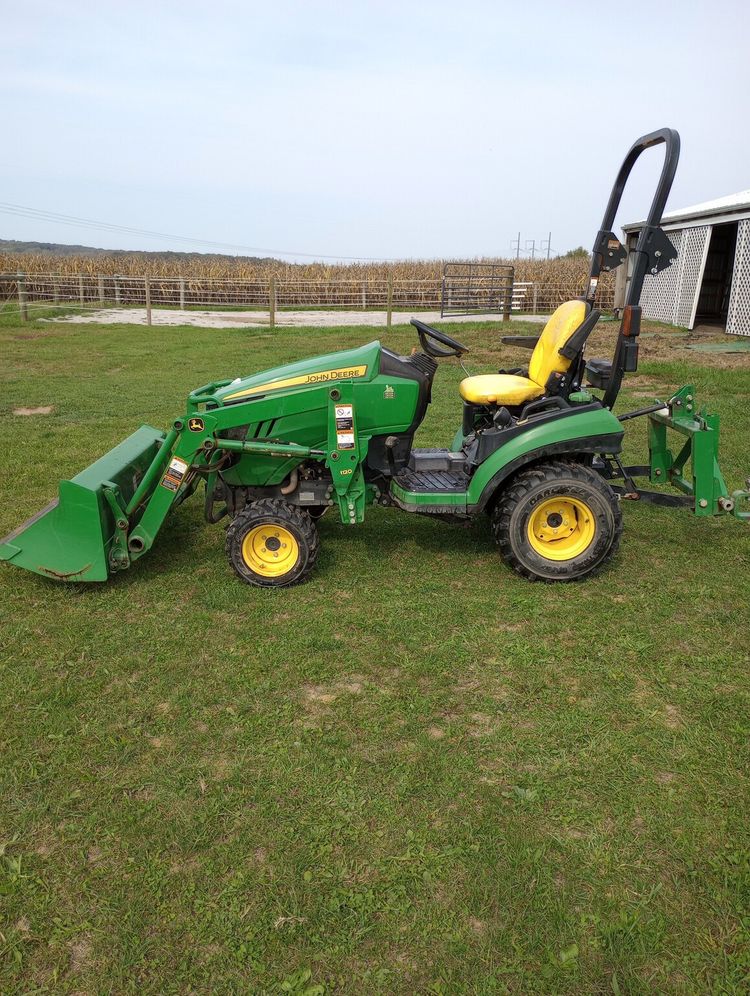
(561,528)
(270,550)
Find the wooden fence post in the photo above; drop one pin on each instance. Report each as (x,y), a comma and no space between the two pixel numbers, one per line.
(101,288)
(536,295)
(81,295)
(22,297)
(364,296)
(147,289)
(182,293)
(55,290)
(117,290)
(272,302)
(389,303)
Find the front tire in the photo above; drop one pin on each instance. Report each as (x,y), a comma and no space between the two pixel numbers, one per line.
(272,544)
(557,522)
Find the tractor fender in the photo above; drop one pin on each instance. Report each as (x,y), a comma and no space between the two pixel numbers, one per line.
(590,432)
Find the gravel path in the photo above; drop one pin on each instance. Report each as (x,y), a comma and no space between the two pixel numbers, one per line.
(259,319)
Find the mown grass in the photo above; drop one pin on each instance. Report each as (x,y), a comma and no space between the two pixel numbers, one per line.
(416,773)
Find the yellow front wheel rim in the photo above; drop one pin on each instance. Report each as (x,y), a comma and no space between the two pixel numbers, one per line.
(561,528)
(270,550)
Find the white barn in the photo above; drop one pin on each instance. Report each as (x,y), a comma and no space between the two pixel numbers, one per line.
(710,281)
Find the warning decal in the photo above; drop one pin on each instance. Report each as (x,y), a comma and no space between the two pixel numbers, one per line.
(175,472)
(345,427)
(344,418)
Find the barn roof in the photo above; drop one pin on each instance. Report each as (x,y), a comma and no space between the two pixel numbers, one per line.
(733,204)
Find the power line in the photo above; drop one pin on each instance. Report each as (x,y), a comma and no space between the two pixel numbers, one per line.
(54,217)
(547,245)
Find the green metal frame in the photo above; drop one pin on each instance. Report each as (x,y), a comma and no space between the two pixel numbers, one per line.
(694,469)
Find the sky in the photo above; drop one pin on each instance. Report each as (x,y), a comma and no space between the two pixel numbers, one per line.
(384,130)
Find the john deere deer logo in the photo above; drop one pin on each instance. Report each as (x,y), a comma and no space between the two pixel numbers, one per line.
(196,425)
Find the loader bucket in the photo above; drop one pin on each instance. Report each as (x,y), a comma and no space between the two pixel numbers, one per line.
(70,539)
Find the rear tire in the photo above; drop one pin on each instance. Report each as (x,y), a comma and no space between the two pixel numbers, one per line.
(557,521)
(272,544)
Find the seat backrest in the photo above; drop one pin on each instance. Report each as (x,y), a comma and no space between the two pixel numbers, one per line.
(546,359)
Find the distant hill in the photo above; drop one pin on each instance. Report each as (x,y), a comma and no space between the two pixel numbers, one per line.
(57,249)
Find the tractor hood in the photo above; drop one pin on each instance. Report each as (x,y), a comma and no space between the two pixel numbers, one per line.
(362,363)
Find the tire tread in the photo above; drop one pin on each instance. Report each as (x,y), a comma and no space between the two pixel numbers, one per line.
(284,513)
(523,483)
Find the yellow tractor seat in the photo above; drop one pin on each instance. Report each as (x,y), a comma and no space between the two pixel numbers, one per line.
(511,389)
(499,389)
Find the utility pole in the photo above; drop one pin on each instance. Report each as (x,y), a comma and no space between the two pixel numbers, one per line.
(532,243)
(548,246)
(516,244)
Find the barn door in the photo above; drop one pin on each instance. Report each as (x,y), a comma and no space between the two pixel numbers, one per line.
(738,317)
(692,263)
(672,295)
(661,291)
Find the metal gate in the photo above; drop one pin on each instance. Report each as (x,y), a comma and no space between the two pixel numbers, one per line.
(477,289)
(738,317)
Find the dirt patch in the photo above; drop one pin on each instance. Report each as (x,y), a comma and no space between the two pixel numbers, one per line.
(482,725)
(326,694)
(659,342)
(316,699)
(40,410)
(142,794)
(184,866)
(287,921)
(317,694)
(672,717)
(80,953)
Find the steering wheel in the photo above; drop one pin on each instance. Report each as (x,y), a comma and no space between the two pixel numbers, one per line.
(427,333)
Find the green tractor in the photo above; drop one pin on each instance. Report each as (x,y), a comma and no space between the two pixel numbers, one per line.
(537,450)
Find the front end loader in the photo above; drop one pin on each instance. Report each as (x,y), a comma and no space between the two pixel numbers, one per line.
(538,450)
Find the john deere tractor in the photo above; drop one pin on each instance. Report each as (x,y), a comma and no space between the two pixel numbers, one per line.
(538,450)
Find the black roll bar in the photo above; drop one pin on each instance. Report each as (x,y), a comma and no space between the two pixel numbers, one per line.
(653,252)
(671,139)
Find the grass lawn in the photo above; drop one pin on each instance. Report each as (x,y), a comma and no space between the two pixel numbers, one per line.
(416,773)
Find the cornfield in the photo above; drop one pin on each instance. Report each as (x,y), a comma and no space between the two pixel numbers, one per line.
(214,279)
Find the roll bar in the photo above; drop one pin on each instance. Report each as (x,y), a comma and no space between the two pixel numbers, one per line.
(670,138)
(652,254)
(652,248)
